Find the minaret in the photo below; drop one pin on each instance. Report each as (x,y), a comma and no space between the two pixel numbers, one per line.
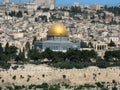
(52,4)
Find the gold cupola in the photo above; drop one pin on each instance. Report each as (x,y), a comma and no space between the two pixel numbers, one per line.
(57,29)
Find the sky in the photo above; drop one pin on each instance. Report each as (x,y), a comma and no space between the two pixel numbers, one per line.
(102,2)
(70,2)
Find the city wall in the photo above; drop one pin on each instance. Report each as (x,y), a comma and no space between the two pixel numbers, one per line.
(32,74)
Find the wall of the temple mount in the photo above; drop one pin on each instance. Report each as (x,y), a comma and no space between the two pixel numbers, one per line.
(32,74)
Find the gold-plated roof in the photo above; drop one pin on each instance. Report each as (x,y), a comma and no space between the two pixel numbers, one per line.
(57,29)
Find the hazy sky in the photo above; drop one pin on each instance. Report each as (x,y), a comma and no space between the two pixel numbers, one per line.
(103,2)
(70,2)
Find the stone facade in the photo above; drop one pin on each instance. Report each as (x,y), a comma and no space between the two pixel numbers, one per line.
(32,74)
(45,3)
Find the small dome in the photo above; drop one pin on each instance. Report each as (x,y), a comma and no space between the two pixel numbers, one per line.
(57,29)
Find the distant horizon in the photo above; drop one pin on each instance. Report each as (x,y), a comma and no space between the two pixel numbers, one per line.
(81,2)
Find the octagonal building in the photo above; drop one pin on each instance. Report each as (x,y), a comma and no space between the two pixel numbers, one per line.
(57,39)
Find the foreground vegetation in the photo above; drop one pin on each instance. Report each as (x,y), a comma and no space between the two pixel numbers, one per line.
(45,86)
(73,58)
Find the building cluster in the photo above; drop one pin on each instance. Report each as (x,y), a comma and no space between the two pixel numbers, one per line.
(45,3)
(39,15)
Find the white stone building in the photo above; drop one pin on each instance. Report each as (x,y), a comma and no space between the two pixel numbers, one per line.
(45,3)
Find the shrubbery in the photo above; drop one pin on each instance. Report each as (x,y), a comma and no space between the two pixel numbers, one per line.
(60,86)
(73,58)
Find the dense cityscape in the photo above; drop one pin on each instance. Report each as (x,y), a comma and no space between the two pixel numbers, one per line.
(39,40)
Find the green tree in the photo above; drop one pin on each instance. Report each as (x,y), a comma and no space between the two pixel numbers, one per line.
(34,39)
(3,61)
(45,9)
(75,9)
(12,50)
(44,86)
(86,55)
(1,48)
(90,45)
(27,46)
(6,48)
(111,44)
(26,12)
(39,8)
(102,64)
(43,18)
(83,44)
(92,54)
(3,58)
(114,88)
(112,55)
(34,54)
(58,57)
(6,13)
(12,13)
(19,14)
(20,57)
(54,87)
(108,55)
(73,55)
(48,53)
(36,19)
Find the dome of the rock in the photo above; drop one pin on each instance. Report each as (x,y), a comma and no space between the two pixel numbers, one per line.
(57,29)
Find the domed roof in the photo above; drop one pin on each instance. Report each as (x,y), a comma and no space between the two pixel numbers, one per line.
(57,29)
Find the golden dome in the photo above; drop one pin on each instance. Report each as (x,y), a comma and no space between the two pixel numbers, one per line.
(57,29)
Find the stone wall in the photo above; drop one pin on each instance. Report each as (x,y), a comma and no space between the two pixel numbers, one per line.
(32,74)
